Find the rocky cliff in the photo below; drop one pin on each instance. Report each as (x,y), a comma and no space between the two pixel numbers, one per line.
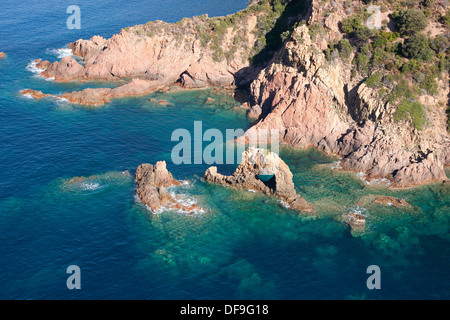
(315,102)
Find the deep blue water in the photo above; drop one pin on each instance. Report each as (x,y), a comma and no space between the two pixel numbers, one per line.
(245,246)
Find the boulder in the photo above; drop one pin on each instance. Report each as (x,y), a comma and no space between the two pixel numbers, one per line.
(254,112)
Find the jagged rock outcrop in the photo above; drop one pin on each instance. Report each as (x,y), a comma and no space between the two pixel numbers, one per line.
(264,172)
(152,182)
(308,100)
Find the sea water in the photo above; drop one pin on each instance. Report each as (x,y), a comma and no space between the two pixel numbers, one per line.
(244,246)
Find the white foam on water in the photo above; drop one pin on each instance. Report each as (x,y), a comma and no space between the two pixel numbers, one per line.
(60,53)
(284,204)
(28,96)
(380,182)
(31,67)
(360,210)
(90,186)
(336,165)
(250,190)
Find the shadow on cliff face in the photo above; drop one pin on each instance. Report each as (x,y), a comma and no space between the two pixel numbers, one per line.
(292,13)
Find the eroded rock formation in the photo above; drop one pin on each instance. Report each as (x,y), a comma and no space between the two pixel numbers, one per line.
(152,181)
(264,172)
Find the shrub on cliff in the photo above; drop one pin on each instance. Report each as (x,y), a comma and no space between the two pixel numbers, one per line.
(345,49)
(412,112)
(411,21)
(350,24)
(429,84)
(440,43)
(412,66)
(374,80)
(448,117)
(417,47)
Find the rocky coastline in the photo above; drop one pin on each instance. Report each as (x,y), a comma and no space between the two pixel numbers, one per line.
(311,101)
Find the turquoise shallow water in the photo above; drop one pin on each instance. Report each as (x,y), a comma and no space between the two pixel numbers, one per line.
(246,246)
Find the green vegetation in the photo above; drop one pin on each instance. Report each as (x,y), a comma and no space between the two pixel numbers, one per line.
(345,49)
(274,25)
(374,81)
(412,112)
(417,47)
(448,118)
(401,65)
(411,21)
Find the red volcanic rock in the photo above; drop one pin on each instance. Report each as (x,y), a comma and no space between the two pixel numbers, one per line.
(2,55)
(307,100)
(43,65)
(152,182)
(100,96)
(33,93)
(162,56)
(67,69)
(89,96)
(135,87)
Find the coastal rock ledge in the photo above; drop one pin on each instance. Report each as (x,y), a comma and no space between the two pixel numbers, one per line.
(265,172)
(152,181)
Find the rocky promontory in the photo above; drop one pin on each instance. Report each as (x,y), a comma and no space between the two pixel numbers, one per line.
(152,181)
(264,172)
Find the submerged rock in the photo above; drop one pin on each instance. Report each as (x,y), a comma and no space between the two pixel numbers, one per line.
(384,201)
(152,181)
(356,221)
(264,172)
(2,55)
(391,201)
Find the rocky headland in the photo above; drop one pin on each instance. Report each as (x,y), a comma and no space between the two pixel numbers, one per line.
(315,72)
(265,172)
